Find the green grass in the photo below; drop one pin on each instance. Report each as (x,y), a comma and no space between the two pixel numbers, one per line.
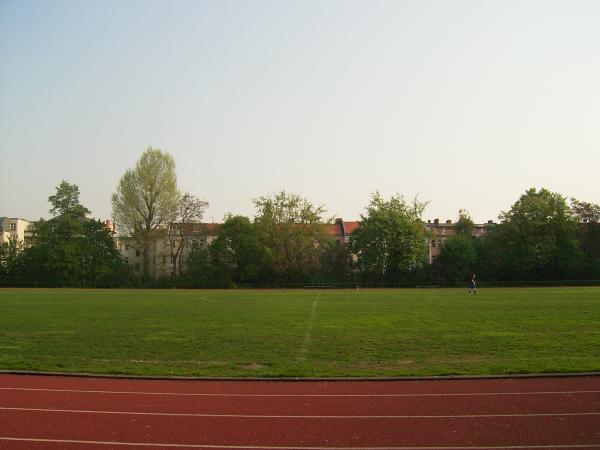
(301,333)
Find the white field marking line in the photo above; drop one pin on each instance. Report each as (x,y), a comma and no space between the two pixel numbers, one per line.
(258,447)
(192,394)
(280,416)
(311,321)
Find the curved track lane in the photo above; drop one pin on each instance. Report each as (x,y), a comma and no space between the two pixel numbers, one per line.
(39,412)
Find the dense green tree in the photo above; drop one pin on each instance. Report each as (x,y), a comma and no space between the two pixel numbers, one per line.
(59,240)
(458,253)
(10,262)
(588,216)
(539,238)
(65,202)
(70,248)
(290,231)
(391,240)
(457,257)
(236,254)
(101,261)
(336,263)
(146,201)
(197,267)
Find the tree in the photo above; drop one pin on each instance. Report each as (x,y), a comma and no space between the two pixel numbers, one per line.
(197,265)
(458,253)
(457,257)
(492,265)
(70,248)
(236,254)
(10,262)
(189,212)
(336,262)
(65,202)
(588,216)
(391,240)
(539,237)
(146,201)
(464,224)
(585,212)
(290,230)
(101,261)
(59,239)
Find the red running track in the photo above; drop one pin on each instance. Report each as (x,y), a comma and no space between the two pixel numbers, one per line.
(47,412)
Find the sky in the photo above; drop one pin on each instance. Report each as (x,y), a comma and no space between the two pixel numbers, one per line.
(464,104)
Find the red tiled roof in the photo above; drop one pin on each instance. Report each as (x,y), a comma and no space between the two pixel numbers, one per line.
(351,227)
(334,229)
(212,228)
(199,229)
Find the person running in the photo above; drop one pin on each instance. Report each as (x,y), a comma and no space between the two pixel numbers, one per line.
(473,285)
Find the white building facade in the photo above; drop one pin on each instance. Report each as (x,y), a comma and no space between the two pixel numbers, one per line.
(16,230)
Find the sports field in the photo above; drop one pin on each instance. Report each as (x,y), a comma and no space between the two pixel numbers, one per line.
(301,333)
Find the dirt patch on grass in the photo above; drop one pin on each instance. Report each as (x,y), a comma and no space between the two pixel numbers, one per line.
(254,366)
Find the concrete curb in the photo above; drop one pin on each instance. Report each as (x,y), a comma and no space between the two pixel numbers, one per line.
(296,379)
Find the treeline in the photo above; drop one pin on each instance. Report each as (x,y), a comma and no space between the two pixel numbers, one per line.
(541,238)
(288,244)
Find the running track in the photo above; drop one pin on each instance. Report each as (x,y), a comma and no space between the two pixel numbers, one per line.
(47,412)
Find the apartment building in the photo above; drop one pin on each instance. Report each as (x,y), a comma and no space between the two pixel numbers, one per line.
(15,229)
(443,230)
(165,245)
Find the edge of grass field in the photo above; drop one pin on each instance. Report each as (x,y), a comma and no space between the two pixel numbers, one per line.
(295,379)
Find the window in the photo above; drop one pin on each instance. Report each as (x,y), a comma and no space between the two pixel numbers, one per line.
(137,267)
(433,242)
(126,247)
(137,253)
(13,227)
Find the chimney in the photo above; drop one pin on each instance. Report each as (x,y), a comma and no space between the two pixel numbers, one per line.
(338,220)
(490,221)
(436,220)
(109,225)
(448,221)
(429,221)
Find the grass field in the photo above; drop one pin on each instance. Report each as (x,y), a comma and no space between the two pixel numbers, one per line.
(301,333)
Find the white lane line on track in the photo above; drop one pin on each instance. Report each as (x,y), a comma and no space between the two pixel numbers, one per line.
(192,394)
(285,416)
(274,447)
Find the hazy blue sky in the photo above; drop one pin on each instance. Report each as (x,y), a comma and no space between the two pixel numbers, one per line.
(463,103)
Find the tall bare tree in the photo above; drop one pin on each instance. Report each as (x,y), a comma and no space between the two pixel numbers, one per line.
(146,201)
(185,224)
